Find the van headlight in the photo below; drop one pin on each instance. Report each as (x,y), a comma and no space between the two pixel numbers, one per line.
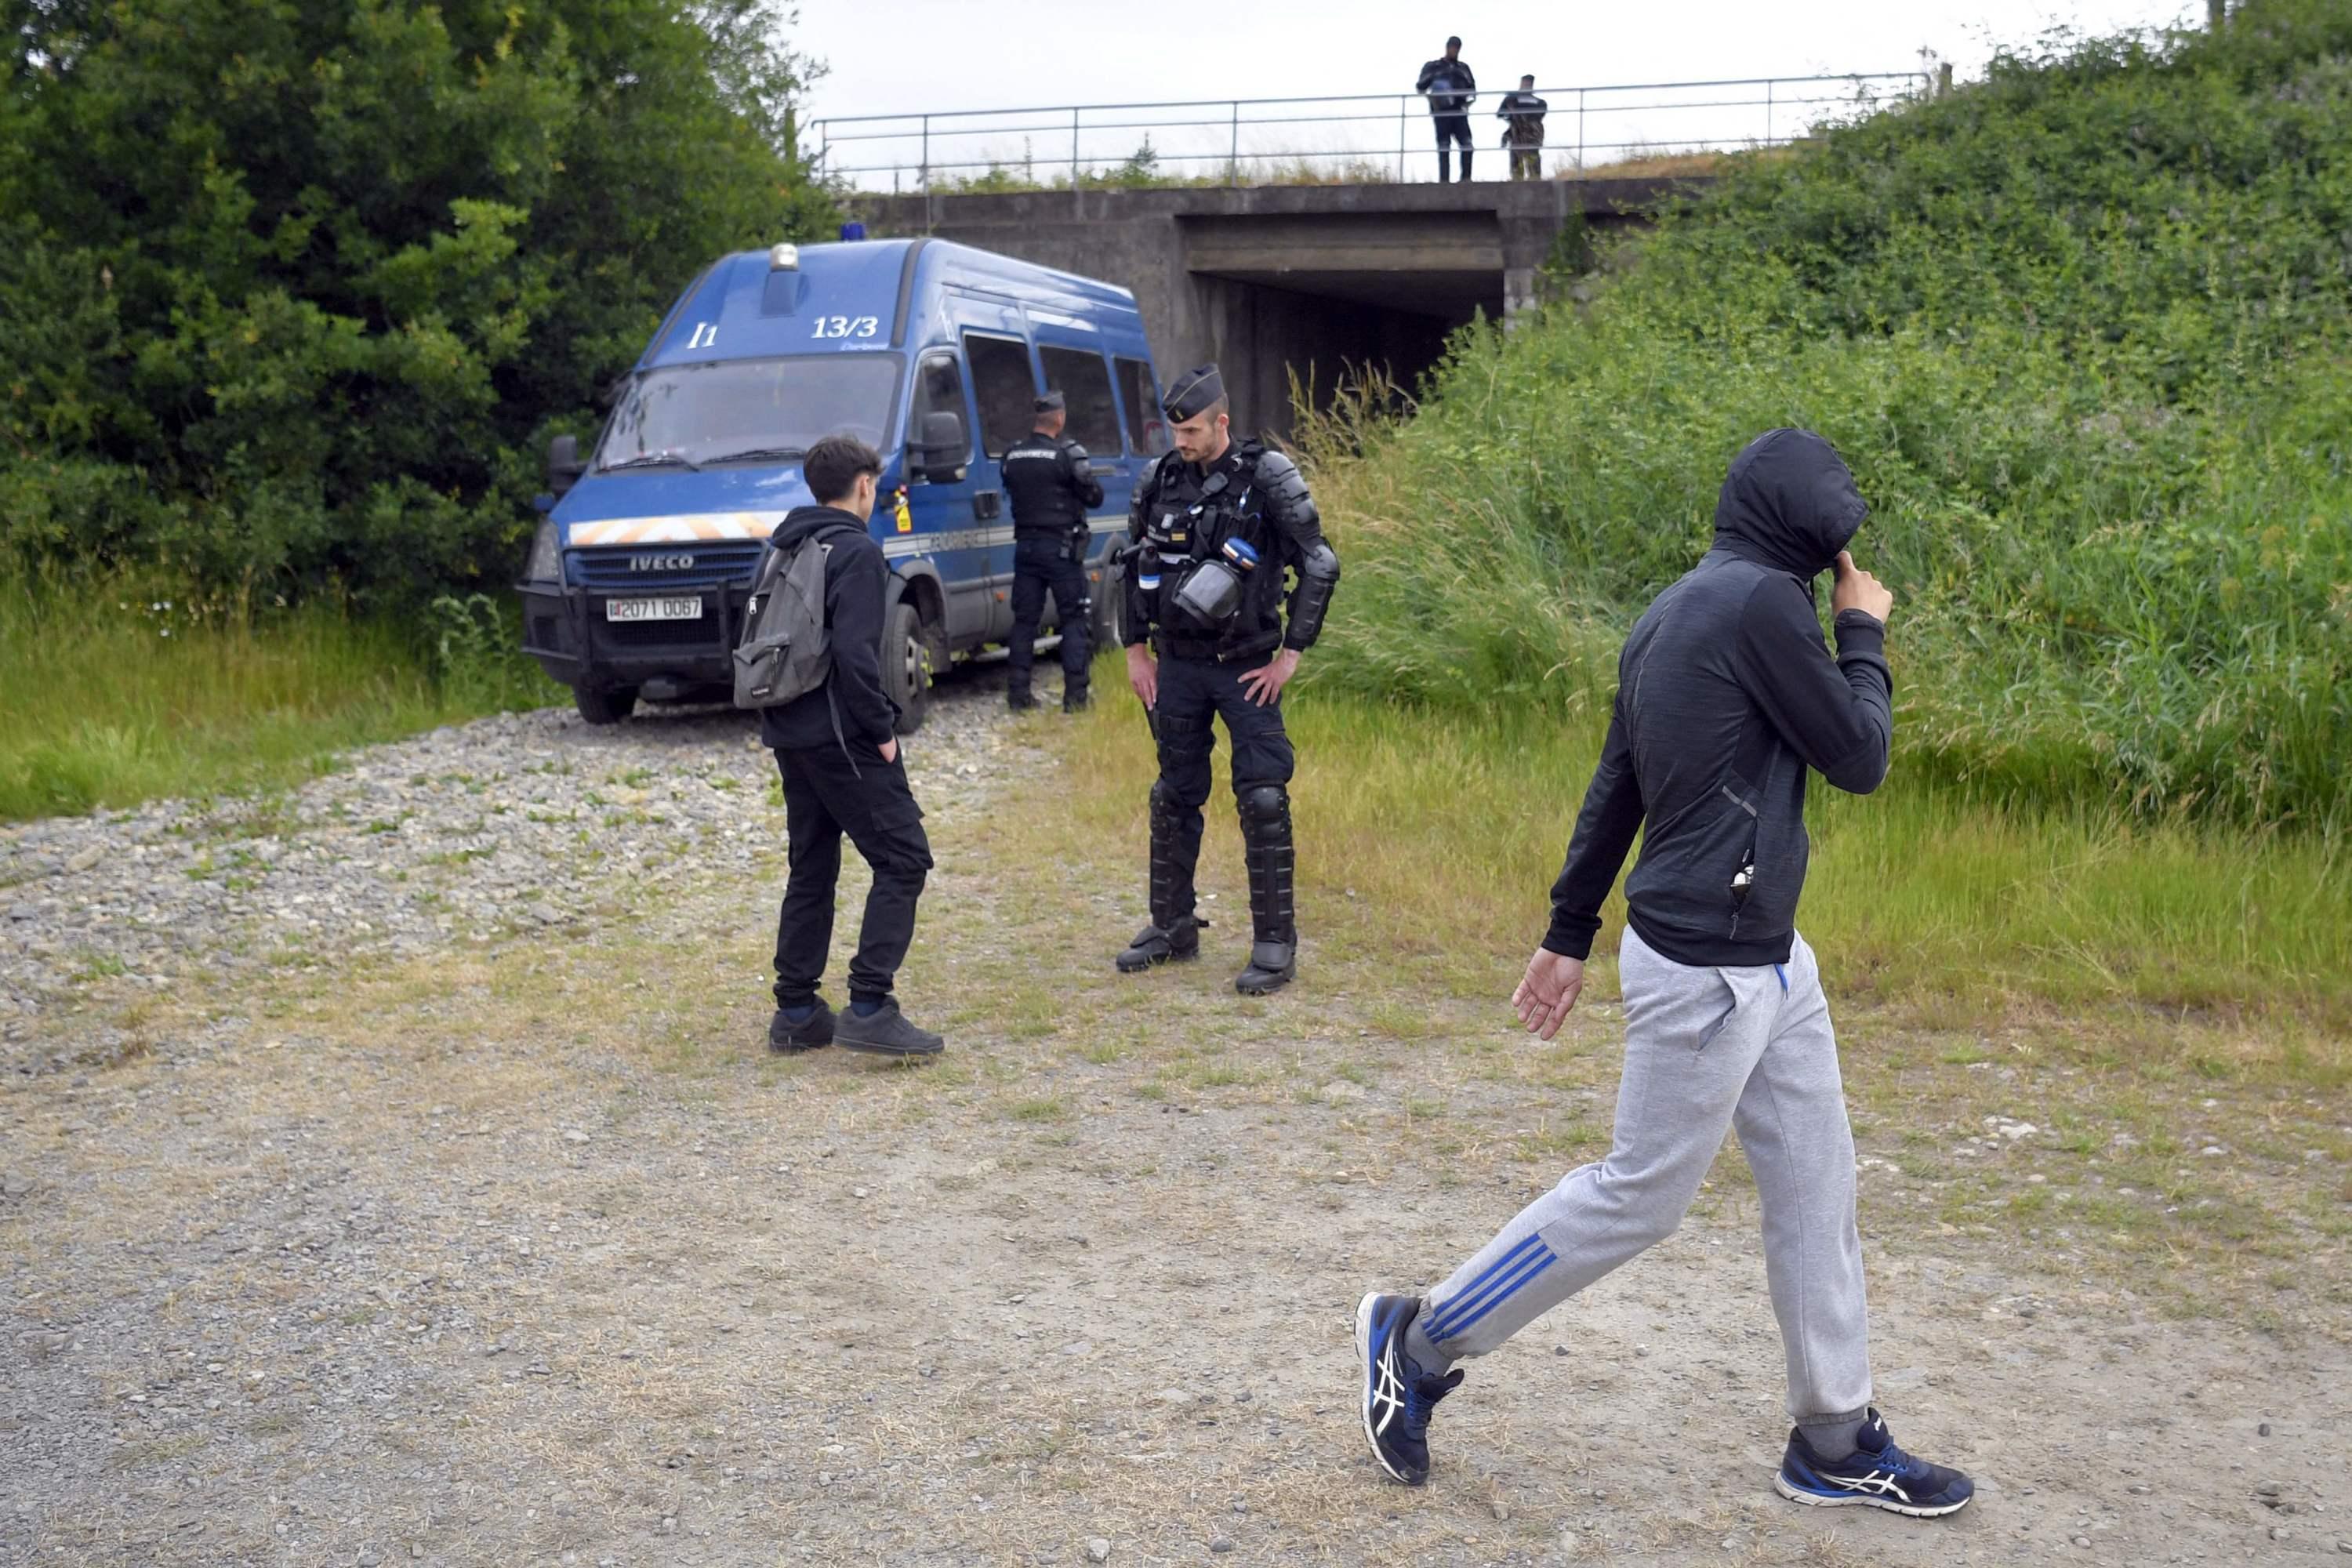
(546,563)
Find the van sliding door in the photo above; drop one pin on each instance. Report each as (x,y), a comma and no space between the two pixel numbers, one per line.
(1083,376)
(1004,385)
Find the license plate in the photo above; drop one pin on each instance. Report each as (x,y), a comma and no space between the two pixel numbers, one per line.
(653,609)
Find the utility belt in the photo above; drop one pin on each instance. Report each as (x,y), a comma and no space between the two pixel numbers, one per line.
(1069,539)
(1212,650)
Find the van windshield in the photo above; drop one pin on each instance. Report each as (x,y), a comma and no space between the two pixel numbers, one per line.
(761,410)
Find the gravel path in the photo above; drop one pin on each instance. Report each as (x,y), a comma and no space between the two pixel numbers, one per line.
(393,1173)
(460,837)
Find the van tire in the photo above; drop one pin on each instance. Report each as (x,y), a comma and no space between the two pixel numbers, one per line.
(912,655)
(605,704)
(1108,598)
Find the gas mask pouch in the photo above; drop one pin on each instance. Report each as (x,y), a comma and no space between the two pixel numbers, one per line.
(1207,599)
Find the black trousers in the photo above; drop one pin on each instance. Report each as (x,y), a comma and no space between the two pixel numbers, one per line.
(1452,128)
(1193,693)
(824,799)
(1040,565)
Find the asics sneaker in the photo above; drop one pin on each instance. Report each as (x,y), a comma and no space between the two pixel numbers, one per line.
(1877,1474)
(1398,1395)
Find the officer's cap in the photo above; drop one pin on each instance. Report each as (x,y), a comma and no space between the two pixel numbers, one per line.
(1193,392)
(1051,403)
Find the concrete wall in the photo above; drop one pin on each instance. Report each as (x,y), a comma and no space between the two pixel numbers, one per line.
(1270,280)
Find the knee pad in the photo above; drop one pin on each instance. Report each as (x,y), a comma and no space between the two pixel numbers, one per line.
(1264,807)
(1165,801)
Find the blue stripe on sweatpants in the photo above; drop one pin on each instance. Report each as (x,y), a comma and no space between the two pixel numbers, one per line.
(1501,1266)
(1507,1274)
(1458,1325)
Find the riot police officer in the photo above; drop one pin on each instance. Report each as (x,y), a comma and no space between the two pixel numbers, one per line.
(1052,487)
(1213,531)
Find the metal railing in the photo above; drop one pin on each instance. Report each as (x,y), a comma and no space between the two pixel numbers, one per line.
(1252,141)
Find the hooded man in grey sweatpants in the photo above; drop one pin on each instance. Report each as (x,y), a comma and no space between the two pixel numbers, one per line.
(1726,700)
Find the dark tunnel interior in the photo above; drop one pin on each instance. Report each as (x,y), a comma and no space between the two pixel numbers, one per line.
(1322,330)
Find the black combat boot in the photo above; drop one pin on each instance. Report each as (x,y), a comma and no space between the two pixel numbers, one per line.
(1018,698)
(1269,860)
(1174,933)
(1075,698)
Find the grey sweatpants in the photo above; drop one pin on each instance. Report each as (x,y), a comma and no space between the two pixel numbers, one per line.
(1706,1050)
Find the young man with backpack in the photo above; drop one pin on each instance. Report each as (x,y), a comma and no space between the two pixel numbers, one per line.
(1727,700)
(812,662)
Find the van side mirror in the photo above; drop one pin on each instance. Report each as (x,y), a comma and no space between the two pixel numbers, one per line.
(940,447)
(563,464)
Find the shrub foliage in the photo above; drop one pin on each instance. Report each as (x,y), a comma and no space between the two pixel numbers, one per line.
(2082,331)
(294,291)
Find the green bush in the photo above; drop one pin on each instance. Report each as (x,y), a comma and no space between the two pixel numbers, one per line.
(124,687)
(2080,331)
(294,294)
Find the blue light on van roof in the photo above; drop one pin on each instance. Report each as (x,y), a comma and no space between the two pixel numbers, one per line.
(785,257)
(853,230)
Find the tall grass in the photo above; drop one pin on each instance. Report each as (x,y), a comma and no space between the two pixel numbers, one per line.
(114,690)
(2084,333)
(1428,843)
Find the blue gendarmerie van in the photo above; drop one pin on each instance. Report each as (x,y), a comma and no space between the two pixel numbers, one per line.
(931,351)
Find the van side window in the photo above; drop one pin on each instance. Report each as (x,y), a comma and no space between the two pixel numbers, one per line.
(1146,432)
(1007,391)
(938,388)
(1085,383)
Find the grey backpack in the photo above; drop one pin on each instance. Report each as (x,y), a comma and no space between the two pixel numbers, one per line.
(787,649)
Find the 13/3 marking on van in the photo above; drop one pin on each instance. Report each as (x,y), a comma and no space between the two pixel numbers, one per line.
(847,326)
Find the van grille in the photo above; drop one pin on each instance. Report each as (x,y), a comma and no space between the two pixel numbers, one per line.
(612,569)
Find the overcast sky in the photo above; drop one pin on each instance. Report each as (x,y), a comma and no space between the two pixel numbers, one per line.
(891,56)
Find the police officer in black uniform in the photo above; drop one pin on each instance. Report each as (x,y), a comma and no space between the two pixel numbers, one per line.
(1214,529)
(1051,487)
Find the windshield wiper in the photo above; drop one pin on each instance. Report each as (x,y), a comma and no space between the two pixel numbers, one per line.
(759,454)
(653,460)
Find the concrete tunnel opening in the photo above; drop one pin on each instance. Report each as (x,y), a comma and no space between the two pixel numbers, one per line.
(1317,281)
(1325,332)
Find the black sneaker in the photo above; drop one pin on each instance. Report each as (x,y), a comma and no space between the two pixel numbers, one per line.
(1877,1474)
(1398,1395)
(788,1038)
(885,1032)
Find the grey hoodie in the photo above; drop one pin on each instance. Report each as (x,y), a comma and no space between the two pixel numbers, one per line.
(1726,700)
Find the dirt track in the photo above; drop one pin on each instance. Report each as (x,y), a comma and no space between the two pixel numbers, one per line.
(518,1248)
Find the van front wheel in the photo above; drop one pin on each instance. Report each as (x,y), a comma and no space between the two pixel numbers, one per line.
(911,658)
(606,704)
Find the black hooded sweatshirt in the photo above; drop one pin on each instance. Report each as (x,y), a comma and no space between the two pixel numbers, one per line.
(1726,697)
(856,577)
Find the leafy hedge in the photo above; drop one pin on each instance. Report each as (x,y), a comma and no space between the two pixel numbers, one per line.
(2082,332)
(293,292)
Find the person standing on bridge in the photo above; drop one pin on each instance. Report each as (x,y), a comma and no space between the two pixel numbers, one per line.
(1522,114)
(1450,88)
(1051,485)
(1726,700)
(1212,532)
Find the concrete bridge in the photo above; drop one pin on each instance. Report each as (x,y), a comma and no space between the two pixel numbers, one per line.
(1274,281)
